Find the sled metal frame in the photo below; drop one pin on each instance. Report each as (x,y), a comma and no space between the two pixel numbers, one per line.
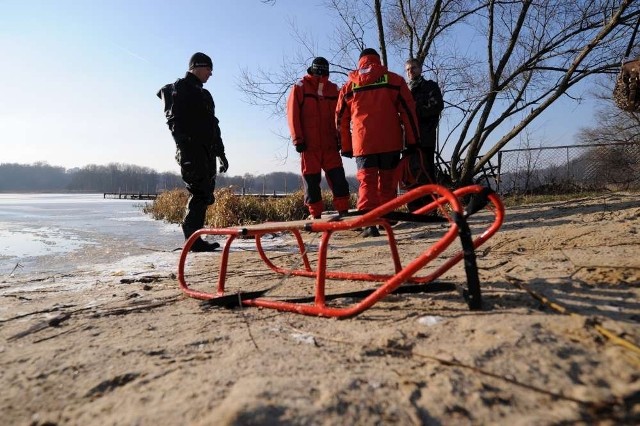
(443,198)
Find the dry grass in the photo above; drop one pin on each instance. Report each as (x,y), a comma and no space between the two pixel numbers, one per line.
(169,206)
(230,209)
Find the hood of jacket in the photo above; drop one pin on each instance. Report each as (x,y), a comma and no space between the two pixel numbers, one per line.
(370,69)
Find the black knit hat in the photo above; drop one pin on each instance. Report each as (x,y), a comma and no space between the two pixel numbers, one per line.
(319,66)
(199,59)
(369,51)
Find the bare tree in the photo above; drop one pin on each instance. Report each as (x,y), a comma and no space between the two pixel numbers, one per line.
(611,126)
(519,57)
(535,52)
(355,23)
(529,158)
(615,156)
(416,26)
(380,25)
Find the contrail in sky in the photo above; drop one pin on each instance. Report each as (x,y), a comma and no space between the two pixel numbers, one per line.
(135,55)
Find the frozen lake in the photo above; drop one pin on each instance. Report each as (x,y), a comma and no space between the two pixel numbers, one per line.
(59,233)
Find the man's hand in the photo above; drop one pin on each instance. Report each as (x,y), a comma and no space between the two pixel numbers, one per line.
(347,154)
(225,164)
(301,147)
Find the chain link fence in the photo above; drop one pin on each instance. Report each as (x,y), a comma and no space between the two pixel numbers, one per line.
(572,168)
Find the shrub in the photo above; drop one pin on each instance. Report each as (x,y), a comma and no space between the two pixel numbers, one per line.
(168,206)
(230,209)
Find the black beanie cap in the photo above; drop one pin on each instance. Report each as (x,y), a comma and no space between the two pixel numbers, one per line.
(319,66)
(199,59)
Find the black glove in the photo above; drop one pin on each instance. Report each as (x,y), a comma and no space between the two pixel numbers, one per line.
(225,164)
(347,154)
(301,147)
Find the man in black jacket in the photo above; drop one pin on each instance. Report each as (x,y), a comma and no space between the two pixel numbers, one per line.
(429,105)
(190,113)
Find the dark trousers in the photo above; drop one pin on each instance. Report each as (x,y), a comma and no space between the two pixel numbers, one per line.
(198,170)
(312,163)
(201,197)
(424,169)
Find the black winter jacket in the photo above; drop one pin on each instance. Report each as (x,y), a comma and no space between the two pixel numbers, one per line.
(429,105)
(190,113)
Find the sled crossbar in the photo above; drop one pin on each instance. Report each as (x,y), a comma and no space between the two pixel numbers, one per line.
(444,200)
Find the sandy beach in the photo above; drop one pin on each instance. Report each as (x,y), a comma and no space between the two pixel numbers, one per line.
(555,343)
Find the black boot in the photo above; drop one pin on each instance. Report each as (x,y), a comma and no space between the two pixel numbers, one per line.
(204,246)
(370,231)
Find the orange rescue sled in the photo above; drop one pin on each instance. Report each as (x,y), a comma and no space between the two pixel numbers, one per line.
(446,202)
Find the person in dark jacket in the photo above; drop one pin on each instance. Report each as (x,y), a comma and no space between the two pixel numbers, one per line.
(429,105)
(311,115)
(375,118)
(190,113)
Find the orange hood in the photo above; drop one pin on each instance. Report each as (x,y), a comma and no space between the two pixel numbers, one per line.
(370,69)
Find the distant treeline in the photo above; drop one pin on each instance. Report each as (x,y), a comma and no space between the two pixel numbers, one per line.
(41,177)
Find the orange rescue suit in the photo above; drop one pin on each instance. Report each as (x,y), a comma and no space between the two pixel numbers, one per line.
(311,110)
(373,108)
(311,116)
(376,118)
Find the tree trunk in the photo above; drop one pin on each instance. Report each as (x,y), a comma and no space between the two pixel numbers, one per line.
(381,39)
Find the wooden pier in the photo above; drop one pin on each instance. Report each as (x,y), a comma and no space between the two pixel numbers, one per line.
(153,196)
(130,195)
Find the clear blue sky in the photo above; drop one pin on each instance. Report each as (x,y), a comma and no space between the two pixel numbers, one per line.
(79,79)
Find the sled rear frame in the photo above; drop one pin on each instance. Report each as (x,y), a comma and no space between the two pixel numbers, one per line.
(443,200)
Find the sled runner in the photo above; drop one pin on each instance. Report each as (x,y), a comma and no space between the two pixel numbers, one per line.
(451,214)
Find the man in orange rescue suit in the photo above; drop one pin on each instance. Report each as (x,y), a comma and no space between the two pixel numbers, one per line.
(310,111)
(375,108)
